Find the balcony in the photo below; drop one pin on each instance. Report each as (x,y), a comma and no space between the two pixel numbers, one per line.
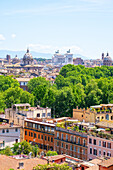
(72,132)
(103,111)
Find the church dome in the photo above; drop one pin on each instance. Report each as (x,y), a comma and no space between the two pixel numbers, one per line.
(15,60)
(27,59)
(107,60)
(27,56)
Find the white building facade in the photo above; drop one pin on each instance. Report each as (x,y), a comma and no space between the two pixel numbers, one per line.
(9,135)
(59,59)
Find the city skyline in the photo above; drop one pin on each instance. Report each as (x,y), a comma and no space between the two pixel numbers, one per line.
(84,26)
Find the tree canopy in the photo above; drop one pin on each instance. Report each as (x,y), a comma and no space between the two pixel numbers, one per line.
(74,86)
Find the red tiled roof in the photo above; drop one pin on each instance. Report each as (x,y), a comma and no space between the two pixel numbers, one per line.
(7,162)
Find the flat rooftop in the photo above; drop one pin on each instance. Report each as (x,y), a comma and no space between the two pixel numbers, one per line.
(7,126)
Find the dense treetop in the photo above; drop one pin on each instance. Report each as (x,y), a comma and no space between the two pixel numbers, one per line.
(74,86)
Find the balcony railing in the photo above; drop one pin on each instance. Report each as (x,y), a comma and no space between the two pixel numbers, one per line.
(72,132)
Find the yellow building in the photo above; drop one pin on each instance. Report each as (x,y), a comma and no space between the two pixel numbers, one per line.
(94,113)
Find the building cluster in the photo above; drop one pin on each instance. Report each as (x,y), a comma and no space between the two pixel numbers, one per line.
(86,139)
(28,67)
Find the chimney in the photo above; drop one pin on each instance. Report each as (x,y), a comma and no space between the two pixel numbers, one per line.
(21,165)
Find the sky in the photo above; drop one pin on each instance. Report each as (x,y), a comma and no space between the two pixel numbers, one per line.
(84,26)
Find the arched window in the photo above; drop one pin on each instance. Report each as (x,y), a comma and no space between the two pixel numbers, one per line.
(107,117)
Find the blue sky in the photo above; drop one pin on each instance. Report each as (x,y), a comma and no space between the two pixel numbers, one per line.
(84,26)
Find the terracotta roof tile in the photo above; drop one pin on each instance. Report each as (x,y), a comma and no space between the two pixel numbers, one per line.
(7,162)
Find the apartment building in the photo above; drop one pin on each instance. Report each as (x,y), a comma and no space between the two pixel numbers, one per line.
(23,83)
(71,143)
(9,134)
(98,146)
(19,112)
(39,132)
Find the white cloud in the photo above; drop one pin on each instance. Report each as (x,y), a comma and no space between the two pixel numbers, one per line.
(2,38)
(51,49)
(13,36)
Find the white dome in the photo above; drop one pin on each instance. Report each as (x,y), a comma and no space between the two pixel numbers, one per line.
(27,56)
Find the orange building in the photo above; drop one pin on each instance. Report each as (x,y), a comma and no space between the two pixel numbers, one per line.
(39,132)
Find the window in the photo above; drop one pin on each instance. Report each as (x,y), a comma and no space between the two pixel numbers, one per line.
(62,145)
(45,138)
(66,137)
(31,134)
(75,148)
(104,144)
(57,143)
(62,136)
(38,136)
(16,140)
(99,152)
(3,131)
(108,145)
(3,143)
(30,125)
(75,140)
(34,135)
(25,132)
(48,114)
(78,150)
(42,137)
(90,150)
(49,129)
(78,140)
(45,128)
(16,130)
(84,142)
(71,147)
(109,154)
(33,125)
(7,131)
(51,139)
(38,126)
(83,151)
(94,141)
(58,135)
(90,140)
(38,114)
(71,139)
(104,153)
(94,152)
(43,114)
(66,146)
(52,129)
(48,138)
(99,143)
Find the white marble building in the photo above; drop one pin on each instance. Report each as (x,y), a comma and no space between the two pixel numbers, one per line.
(60,59)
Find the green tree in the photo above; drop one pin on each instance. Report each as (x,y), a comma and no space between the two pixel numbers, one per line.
(53,167)
(7,82)
(38,87)
(51,153)
(35,150)
(2,102)
(17,95)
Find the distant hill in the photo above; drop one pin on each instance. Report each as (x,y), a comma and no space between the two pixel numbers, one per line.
(20,54)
